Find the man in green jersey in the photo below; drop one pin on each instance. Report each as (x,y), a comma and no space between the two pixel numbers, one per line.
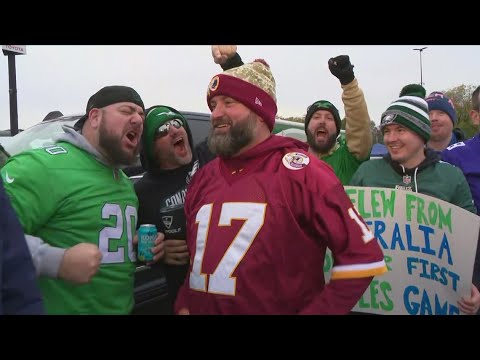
(322,125)
(73,197)
(322,121)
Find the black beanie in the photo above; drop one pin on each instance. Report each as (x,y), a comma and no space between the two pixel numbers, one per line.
(323,105)
(107,96)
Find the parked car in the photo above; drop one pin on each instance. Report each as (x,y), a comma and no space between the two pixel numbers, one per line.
(5,137)
(150,284)
(378,151)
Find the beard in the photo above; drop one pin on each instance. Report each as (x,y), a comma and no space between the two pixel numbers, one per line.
(111,145)
(240,135)
(323,147)
(167,159)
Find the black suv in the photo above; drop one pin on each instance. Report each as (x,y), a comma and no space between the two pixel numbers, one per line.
(150,283)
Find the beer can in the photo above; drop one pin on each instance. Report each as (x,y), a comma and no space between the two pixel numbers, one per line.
(147,233)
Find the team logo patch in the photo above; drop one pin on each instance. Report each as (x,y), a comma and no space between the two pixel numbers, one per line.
(8,179)
(407,179)
(195,167)
(167,220)
(295,161)
(214,84)
(388,119)
(55,150)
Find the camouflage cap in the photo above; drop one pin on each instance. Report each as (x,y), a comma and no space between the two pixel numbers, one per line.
(256,73)
(251,84)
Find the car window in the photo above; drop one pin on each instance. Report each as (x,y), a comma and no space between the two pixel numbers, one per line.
(4,140)
(39,135)
(199,129)
(281,125)
(199,124)
(378,151)
(292,129)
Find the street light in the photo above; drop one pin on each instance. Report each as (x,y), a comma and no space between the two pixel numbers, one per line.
(421,72)
(11,51)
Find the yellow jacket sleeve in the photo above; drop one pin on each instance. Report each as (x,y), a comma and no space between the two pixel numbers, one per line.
(357,129)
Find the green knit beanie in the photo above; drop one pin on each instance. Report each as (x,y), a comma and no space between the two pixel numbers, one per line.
(156,117)
(413,90)
(411,112)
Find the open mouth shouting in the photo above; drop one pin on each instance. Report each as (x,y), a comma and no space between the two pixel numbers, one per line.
(180,146)
(132,139)
(321,134)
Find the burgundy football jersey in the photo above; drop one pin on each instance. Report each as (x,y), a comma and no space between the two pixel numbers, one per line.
(258,226)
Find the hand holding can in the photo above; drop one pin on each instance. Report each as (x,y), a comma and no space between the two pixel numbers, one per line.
(147,234)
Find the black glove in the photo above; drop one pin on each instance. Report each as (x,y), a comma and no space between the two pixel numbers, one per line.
(233,62)
(341,68)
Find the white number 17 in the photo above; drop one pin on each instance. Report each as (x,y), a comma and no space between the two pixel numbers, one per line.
(221,280)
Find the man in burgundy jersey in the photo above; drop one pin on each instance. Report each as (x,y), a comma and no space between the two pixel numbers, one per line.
(261,215)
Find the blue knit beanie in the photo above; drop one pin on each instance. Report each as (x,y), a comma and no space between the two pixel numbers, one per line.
(439,101)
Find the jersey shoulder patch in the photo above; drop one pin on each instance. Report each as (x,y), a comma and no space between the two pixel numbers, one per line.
(55,149)
(453,146)
(295,160)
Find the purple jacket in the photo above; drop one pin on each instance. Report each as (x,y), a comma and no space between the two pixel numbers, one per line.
(19,292)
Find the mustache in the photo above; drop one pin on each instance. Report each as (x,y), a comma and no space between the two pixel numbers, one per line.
(222,121)
(321,127)
(136,126)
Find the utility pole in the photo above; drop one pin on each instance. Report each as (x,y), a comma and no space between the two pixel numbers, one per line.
(11,51)
(421,70)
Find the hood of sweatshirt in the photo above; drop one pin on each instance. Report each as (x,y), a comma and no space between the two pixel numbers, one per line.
(75,138)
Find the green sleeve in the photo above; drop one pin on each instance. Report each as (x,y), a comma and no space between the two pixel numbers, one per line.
(463,195)
(31,190)
(357,179)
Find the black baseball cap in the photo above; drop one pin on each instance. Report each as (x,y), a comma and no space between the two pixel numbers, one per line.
(107,96)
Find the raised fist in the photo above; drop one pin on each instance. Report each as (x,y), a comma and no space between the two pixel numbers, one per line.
(342,68)
(221,53)
(80,263)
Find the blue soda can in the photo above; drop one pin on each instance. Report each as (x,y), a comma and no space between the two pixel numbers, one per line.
(147,233)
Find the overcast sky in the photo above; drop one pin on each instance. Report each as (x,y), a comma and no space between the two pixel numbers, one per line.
(64,77)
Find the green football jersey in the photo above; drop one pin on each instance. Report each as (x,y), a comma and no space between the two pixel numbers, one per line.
(65,196)
(343,162)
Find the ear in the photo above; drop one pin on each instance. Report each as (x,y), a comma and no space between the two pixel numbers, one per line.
(95,116)
(475,116)
(260,121)
(261,125)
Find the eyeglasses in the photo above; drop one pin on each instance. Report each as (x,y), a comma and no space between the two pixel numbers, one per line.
(165,128)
